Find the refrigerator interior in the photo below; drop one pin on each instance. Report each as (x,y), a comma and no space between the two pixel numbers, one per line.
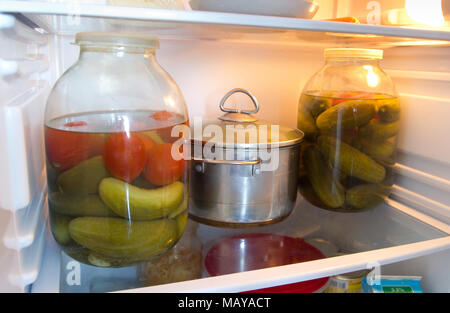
(271,57)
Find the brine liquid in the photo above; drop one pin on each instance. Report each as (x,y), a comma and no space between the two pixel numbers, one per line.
(349,149)
(116,195)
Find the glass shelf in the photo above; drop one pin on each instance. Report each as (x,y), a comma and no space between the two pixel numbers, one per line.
(65,19)
(330,232)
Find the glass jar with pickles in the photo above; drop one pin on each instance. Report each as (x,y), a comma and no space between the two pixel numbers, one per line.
(349,111)
(117,184)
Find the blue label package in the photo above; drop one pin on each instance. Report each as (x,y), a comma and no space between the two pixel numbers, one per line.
(391,284)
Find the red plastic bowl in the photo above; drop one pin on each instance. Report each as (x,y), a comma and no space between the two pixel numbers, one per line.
(257,251)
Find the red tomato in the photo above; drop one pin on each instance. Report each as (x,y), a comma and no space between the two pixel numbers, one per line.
(166,134)
(75,124)
(162,169)
(124,156)
(148,143)
(162,115)
(66,149)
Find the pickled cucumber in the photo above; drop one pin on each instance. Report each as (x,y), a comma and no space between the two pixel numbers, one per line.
(350,160)
(327,188)
(136,203)
(118,238)
(181,207)
(378,131)
(90,205)
(308,192)
(99,261)
(181,221)
(379,150)
(389,110)
(347,115)
(366,196)
(314,105)
(60,228)
(306,123)
(84,178)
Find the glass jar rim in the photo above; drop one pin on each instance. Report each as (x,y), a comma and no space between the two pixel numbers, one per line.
(116,39)
(376,54)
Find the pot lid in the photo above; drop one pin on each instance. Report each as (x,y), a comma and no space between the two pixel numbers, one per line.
(240,129)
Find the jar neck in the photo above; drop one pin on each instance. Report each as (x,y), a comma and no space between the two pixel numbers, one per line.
(119,53)
(352,61)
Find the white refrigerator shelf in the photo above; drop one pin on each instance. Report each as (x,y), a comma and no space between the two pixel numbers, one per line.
(69,18)
(388,234)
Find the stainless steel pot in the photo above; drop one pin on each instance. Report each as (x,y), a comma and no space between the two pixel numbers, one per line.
(247,182)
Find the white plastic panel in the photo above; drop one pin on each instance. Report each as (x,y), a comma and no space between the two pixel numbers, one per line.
(22,229)
(22,119)
(422,77)
(429,136)
(21,253)
(23,182)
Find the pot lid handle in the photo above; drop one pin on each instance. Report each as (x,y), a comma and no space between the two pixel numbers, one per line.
(236,90)
(236,115)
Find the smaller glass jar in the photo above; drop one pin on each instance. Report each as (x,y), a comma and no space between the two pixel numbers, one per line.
(349,111)
(183,262)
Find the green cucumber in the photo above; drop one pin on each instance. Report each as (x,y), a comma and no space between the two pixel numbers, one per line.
(346,115)
(137,203)
(350,160)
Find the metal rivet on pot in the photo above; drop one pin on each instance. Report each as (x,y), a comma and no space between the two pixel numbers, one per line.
(198,168)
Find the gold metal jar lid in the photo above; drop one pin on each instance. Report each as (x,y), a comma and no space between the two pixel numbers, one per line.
(116,39)
(353,53)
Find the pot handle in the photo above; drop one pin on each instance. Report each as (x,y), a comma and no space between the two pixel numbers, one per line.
(200,167)
(241,90)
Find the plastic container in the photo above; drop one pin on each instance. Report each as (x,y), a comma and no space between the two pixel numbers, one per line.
(347,283)
(349,111)
(247,252)
(116,189)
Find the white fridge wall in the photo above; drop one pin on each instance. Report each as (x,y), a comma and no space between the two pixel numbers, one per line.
(275,74)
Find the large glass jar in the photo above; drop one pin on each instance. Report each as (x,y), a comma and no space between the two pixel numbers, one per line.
(115,187)
(349,112)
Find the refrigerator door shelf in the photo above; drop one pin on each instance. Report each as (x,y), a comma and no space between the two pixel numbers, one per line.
(21,263)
